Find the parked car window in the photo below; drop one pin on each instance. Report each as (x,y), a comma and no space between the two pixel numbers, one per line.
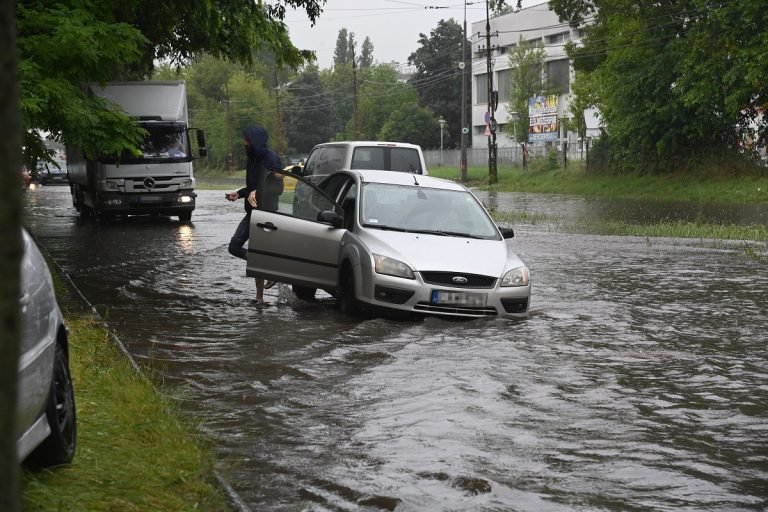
(387,159)
(305,201)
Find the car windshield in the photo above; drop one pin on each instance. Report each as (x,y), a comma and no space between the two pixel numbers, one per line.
(425,210)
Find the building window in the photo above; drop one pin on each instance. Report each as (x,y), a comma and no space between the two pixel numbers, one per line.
(481,89)
(557,76)
(562,37)
(534,42)
(504,83)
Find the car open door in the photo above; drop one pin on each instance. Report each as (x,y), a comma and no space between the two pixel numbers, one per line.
(296,237)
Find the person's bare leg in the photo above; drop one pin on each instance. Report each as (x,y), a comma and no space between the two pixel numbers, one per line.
(259,290)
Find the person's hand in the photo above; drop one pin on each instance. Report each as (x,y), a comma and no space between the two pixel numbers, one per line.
(252,198)
(233,196)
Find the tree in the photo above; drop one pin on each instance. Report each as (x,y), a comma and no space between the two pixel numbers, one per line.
(10,257)
(438,78)
(307,111)
(414,124)
(66,44)
(526,81)
(366,55)
(673,80)
(341,53)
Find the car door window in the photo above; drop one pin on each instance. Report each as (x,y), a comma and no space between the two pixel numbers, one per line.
(303,201)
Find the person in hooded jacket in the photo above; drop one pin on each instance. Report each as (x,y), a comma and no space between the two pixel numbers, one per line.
(260,159)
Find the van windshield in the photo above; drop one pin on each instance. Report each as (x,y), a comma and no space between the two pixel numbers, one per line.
(387,158)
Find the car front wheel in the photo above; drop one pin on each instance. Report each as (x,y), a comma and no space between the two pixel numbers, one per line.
(59,447)
(348,302)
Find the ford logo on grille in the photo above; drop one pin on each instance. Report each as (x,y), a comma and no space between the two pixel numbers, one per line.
(149,183)
(459,279)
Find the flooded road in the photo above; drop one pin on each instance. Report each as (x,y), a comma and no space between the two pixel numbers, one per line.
(639,382)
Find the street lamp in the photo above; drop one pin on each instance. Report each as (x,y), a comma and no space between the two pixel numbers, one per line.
(442,123)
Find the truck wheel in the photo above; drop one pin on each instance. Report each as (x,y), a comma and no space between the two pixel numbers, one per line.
(59,447)
(185,216)
(304,292)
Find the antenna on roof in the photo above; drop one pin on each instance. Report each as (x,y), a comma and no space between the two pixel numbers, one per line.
(415,181)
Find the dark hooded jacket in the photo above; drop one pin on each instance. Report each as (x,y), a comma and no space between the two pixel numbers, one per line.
(260,159)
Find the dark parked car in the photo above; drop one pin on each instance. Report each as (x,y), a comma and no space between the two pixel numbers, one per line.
(45,413)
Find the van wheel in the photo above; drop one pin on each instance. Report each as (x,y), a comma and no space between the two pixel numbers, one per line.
(304,292)
(59,447)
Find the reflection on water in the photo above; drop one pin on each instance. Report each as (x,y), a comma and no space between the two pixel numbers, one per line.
(637,383)
(579,209)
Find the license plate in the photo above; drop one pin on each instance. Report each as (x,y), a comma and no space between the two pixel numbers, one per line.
(445,297)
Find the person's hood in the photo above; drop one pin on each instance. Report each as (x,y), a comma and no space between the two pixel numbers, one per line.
(257,135)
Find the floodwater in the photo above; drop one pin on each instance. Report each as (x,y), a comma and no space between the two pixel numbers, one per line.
(639,382)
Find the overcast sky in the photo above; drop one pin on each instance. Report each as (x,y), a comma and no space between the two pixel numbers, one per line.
(392,25)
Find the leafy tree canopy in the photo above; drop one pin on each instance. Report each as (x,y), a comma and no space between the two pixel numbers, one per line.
(675,82)
(66,44)
(414,124)
(438,77)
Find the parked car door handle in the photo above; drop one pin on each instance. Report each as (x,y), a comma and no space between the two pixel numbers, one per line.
(266,225)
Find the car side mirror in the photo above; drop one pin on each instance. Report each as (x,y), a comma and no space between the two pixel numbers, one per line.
(201,142)
(507,233)
(329,217)
(297,169)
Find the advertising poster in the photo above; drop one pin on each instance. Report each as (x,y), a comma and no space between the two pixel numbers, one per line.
(542,115)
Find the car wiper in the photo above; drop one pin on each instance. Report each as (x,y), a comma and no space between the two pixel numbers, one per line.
(385,227)
(441,232)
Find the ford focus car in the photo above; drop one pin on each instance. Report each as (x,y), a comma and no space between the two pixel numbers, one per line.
(380,240)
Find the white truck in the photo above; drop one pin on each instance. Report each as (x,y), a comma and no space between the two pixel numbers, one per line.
(160,180)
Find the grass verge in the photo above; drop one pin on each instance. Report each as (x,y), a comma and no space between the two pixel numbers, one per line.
(136,451)
(725,189)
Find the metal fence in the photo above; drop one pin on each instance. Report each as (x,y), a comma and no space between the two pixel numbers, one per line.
(504,156)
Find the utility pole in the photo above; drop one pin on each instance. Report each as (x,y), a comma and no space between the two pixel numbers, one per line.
(492,175)
(279,120)
(464,129)
(355,106)
(230,162)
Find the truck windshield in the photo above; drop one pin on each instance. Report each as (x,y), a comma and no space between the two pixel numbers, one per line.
(164,143)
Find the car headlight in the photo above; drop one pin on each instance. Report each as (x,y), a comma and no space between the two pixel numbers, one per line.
(392,267)
(516,277)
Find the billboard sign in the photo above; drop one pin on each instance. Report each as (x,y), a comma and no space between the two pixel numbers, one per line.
(542,115)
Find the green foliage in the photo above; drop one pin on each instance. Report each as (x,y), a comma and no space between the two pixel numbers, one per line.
(437,76)
(366,56)
(526,81)
(676,82)
(307,112)
(66,44)
(412,123)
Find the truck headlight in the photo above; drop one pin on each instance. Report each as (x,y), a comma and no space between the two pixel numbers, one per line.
(516,277)
(185,199)
(391,267)
(111,185)
(185,183)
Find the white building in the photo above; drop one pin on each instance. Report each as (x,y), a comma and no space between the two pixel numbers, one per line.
(537,25)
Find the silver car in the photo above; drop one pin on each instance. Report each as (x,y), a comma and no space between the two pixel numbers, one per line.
(380,240)
(45,412)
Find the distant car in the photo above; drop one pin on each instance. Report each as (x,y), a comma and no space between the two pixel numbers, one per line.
(331,157)
(390,241)
(26,178)
(45,413)
(48,174)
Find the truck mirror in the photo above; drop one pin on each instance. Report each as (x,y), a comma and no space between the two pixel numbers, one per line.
(201,142)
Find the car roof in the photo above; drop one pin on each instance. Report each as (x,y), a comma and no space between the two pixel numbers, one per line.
(405,178)
(368,143)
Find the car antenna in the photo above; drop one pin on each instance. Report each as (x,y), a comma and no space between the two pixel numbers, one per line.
(415,181)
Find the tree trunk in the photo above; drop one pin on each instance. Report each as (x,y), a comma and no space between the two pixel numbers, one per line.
(10,254)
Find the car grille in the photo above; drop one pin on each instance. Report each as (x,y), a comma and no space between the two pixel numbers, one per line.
(446,279)
(455,310)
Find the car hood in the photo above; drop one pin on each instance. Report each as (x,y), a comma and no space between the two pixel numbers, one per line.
(444,253)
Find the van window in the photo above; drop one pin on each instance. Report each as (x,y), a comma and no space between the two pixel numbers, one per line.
(387,159)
